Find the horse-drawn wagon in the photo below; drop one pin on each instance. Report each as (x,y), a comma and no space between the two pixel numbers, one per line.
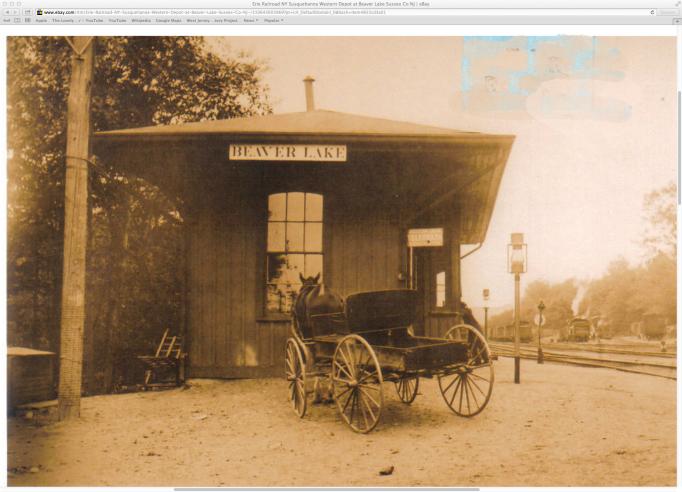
(368,342)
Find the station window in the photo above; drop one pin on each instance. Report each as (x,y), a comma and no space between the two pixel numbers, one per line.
(440,289)
(294,246)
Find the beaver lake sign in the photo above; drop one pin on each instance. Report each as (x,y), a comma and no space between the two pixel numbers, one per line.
(259,152)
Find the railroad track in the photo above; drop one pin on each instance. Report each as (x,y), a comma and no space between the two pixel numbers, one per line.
(605,348)
(634,361)
(649,351)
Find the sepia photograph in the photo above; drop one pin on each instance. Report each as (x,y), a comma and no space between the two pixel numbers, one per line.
(411,261)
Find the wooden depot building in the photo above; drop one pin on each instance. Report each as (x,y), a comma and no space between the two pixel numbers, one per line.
(367,203)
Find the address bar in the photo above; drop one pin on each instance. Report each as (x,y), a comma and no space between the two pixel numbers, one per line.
(353,11)
(524,12)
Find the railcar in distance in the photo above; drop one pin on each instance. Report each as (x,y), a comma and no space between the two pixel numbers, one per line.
(578,330)
(651,327)
(506,333)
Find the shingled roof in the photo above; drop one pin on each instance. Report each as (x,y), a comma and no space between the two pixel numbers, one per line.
(317,122)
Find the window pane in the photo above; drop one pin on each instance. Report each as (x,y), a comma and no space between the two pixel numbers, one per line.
(294,236)
(284,269)
(275,236)
(280,297)
(276,268)
(313,266)
(277,206)
(313,207)
(275,299)
(294,268)
(313,237)
(295,206)
(440,289)
(294,228)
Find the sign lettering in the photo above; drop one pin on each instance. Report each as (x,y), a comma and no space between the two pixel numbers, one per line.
(423,238)
(315,153)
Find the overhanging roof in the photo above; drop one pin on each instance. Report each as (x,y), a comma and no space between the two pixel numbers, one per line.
(315,122)
(476,159)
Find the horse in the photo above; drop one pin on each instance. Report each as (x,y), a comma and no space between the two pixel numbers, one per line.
(314,298)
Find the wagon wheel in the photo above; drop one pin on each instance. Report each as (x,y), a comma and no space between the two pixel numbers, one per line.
(407,387)
(294,368)
(357,383)
(467,389)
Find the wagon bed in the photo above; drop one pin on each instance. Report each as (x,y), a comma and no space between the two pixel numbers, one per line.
(370,342)
(401,352)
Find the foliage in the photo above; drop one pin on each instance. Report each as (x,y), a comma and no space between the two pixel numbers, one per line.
(619,298)
(613,296)
(504,318)
(625,293)
(557,298)
(135,265)
(660,210)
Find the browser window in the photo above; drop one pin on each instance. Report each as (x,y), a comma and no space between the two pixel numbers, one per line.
(340,243)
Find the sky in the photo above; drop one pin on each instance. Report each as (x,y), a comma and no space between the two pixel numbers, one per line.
(594,118)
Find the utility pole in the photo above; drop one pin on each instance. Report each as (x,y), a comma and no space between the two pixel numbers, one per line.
(516,264)
(75,226)
(517,327)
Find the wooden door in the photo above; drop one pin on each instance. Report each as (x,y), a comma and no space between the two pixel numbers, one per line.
(420,282)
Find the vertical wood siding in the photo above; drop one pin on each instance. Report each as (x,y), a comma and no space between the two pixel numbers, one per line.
(226,277)
(224,338)
(365,254)
(227,331)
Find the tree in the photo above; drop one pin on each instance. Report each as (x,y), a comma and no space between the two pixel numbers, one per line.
(613,297)
(660,211)
(558,299)
(624,293)
(135,252)
(656,288)
(503,318)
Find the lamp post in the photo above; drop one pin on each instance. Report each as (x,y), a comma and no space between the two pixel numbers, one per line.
(516,264)
(541,321)
(486,296)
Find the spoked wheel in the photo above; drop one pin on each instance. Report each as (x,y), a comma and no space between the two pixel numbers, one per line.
(357,383)
(294,368)
(407,387)
(467,388)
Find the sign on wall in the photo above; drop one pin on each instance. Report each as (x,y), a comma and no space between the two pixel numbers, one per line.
(259,152)
(423,238)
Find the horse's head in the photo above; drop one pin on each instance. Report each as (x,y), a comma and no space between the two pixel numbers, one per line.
(309,284)
(309,281)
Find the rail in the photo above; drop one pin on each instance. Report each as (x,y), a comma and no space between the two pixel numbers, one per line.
(656,363)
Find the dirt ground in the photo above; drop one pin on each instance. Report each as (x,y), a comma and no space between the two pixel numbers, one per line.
(561,426)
